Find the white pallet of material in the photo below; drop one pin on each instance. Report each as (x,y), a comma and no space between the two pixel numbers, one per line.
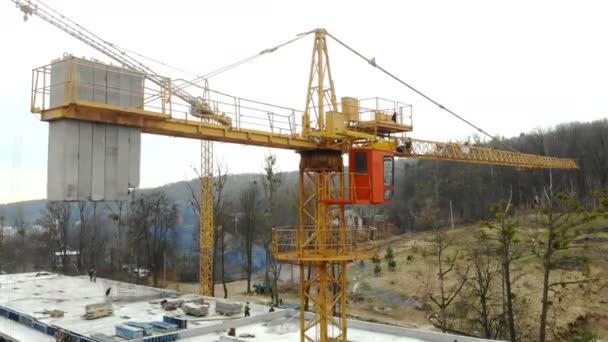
(227,308)
(102,338)
(93,311)
(171,304)
(194,309)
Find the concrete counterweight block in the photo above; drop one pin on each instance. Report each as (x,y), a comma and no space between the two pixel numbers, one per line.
(92,161)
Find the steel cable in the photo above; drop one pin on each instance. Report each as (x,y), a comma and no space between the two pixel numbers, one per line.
(373,63)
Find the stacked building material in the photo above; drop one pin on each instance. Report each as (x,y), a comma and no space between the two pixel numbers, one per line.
(146,327)
(197,310)
(163,327)
(102,338)
(227,308)
(93,311)
(53,313)
(171,304)
(129,332)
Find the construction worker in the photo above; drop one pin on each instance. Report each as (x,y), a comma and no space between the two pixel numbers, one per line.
(247,309)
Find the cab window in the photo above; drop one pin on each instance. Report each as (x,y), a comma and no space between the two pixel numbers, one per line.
(388,171)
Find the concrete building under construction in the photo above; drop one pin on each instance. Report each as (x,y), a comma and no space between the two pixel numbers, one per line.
(53,307)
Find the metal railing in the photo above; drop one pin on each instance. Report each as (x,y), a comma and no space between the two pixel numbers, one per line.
(331,244)
(368,108)
(72,80)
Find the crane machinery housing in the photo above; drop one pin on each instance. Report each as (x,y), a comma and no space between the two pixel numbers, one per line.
(371,132)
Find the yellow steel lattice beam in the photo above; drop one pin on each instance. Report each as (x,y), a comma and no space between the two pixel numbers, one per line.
(432,150)
(206,220)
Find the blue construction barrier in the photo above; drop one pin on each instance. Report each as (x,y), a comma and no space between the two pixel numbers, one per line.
(40,327)
(168,323)
(181,323)
(50,330)
(27,321)
(161,338)
(13,315)
(30,322)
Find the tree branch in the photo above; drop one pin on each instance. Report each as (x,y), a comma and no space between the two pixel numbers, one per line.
(573,282)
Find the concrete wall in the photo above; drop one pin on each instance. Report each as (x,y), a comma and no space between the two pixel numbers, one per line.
(91,161)
(361,325)
(414,333)
(424,335)
(74,79)
(236,322)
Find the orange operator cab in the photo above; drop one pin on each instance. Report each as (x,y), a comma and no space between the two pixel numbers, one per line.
(372,176)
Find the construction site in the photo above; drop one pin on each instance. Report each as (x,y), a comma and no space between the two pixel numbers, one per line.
(347,215)
(138,310)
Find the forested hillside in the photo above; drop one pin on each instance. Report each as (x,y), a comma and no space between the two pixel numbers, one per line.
(431,185)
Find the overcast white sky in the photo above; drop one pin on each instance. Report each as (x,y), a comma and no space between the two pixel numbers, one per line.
(508,66)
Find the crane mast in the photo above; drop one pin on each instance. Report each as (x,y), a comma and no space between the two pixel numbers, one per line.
(322,244)
(206,239)
(206,217)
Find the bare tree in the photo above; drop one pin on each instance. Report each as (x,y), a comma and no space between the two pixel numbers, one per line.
(94,236)
(485,272)
(56,219)
(22,233)
(446,263)
(152,220)
(271,182)
(84,216)
(195,205)
(249,205)
(596,149)
(430,214)
(222,261)
(505,231)
(117,216)
(221,209)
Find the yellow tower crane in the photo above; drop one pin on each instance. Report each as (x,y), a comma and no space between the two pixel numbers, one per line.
(370,135)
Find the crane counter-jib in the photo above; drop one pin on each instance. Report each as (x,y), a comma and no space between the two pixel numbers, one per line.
(154,123)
